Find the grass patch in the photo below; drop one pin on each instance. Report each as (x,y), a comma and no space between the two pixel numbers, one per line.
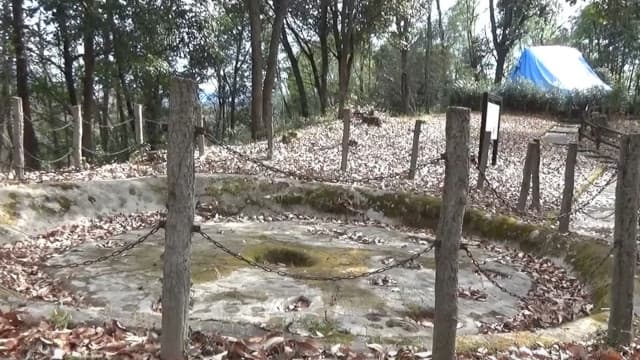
(329,329)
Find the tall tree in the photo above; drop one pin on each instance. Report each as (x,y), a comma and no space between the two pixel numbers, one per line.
(351,21)
(309,25)
(22,84)
(89,59)
(508,20)
(295,69)
(262,88)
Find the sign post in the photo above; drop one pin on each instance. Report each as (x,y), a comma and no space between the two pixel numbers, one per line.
(491,109)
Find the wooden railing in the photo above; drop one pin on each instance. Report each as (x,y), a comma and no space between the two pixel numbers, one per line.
(595,129)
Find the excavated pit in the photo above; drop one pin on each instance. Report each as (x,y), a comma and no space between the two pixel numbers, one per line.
(394,305)
(254,217)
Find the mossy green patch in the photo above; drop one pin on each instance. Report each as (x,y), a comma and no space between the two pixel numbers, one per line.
(65,186)
(325,198)
(326,261)
(45,207)
(231,186)
(9,213)
(329,328)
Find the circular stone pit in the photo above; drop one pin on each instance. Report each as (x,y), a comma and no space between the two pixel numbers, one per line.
(394,307)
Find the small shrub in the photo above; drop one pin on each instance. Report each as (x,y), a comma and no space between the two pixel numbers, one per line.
(60,319)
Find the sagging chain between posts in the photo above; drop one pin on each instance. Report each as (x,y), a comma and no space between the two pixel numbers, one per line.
(485,274)
(113,254)
(577,209)
(316,277)
(304,177)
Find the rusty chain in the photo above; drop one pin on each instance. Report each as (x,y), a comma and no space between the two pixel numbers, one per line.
(311,178)
(316,277)
(484,273)
(113,254)
(575,210)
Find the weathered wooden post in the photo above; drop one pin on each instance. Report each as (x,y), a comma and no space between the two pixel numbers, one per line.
(200,124)
(413,165)
(526,178)
(620,330)
(454,199)
(567,194)
(180,213)
(269,126)
(535,176)
(76,150)
(139,126)
(346,129)
(18,137)
(484,158)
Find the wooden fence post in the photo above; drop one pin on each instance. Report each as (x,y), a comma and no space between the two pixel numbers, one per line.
(76,151)
(567,194)
(620,330)
(526,178)
(139,126)
(484,158)
(176,278)
(535,176)
(346,129)
(18,137)
(270,138)
(200,124)
(454,199)
(415,149)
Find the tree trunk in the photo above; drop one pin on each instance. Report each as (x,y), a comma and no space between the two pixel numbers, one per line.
(89,58)
(5,87)
(280,8)
(295,68)
(427,59)
(500,60)
(22,85)
(106,88)
(67,56)
(404,91)
(257,124)
(323,32)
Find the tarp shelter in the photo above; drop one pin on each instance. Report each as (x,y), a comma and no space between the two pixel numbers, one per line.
(556,67)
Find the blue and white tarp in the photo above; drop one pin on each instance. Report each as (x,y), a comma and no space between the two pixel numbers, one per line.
(556,67)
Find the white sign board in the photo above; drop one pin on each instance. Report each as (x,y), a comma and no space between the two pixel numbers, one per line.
(493,117)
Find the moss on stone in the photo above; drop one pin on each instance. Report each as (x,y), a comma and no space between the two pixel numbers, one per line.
(64,202)
(64,186)
(231,186)
(324,198)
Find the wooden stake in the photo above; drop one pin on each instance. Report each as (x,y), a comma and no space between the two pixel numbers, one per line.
(454,199)
(269,126)
(535,176)
(484,158)
(76,151)
(139,125)
(624,241)
(415,149)
(18,137)
(567,194)
(526,178)
(346,129)
(200,124)
(176,281)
